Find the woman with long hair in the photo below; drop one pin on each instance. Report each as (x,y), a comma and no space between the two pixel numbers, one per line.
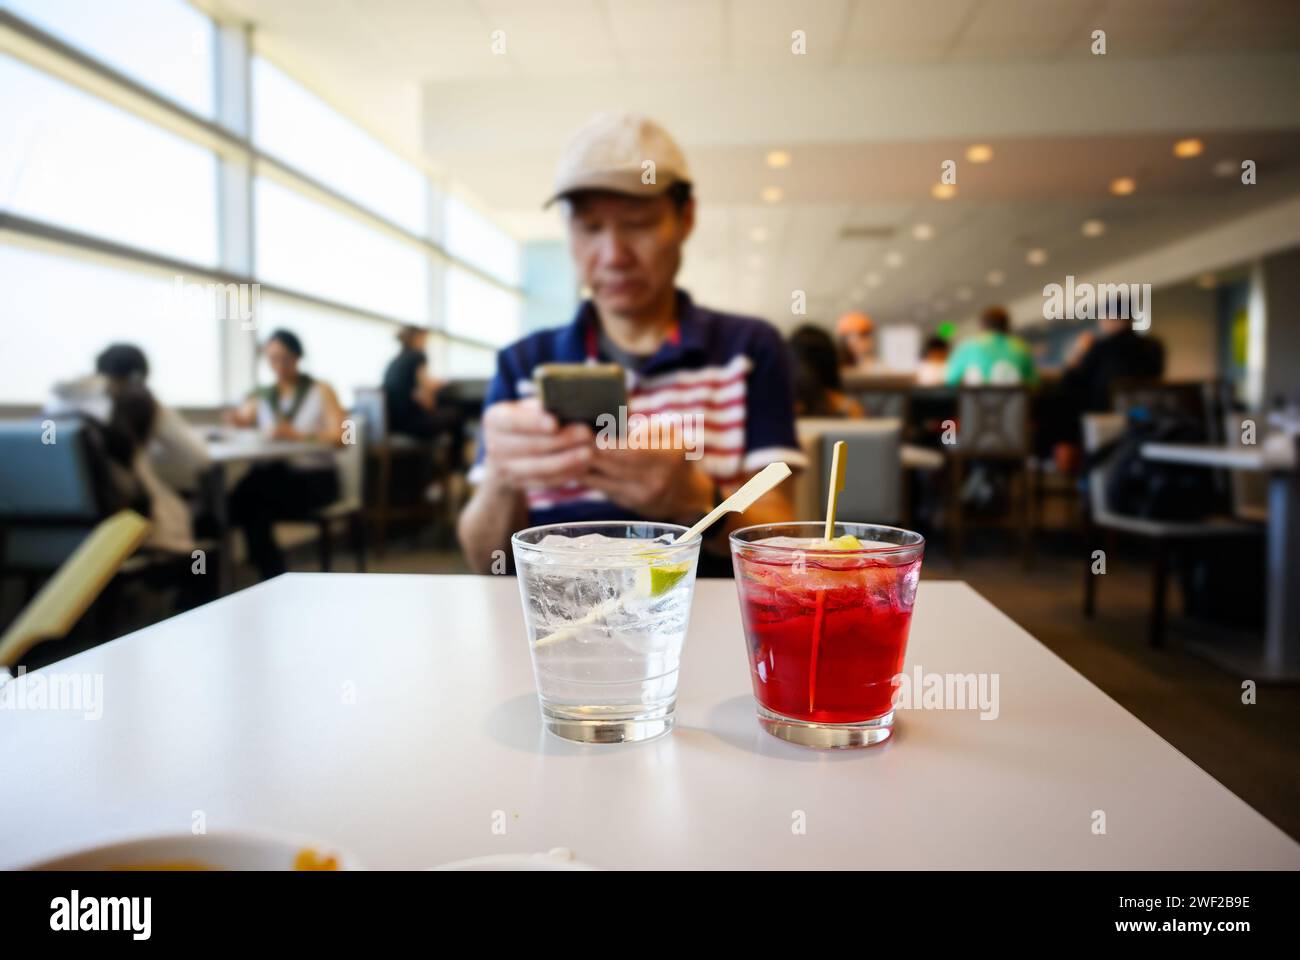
(818,390)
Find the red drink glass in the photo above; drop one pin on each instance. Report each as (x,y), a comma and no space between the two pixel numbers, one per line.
(826,628)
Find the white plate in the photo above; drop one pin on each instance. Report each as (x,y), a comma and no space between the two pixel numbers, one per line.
(215,851)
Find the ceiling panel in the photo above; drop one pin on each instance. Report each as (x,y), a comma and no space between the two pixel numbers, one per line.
(654,36)
(894,30)
(1028,28)
(560,37)
(760,32)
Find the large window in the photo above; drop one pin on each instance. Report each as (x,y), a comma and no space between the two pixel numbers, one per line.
(474,238)
(309,247)
(479,310)
(61,311)
(165,45)
(347,239)
(72,160)
(470,362)
(293,125)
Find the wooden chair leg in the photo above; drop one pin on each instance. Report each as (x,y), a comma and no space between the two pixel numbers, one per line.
(359,540)
(955,518)
(326,547)
(1159,582)
(383,499)
(1089,578)
(1026,512)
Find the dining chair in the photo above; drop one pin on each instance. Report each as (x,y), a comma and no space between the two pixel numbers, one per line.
(1163,536)
(349,508)
(48,499)
(82,577)
(882,396)
(992,428)
(873,489)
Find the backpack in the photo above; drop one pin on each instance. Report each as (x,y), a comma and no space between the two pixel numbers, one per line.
(1138,487)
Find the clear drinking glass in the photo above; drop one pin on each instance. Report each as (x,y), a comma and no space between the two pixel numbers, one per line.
(606,605)
(826,626)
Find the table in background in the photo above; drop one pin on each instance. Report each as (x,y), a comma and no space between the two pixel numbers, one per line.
(227,449)
(1280,659)
(395,716)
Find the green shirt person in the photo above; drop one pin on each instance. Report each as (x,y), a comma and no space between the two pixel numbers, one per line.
(993,358)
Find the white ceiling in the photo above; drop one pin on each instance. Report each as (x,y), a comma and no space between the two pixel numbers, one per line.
(886,91)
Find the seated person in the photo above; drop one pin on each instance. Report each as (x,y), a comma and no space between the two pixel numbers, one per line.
(994,357)
(626,239)
(818,391)
(295,407)
(116,395)
(1118,353)
(857,343)
(411,392)
(933,370)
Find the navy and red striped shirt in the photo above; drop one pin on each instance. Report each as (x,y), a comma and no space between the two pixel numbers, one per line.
(732,370)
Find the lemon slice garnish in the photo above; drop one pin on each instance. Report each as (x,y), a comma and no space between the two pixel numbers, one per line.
(846,542)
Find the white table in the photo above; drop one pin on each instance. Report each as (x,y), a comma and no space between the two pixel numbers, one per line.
(239,709)
(1280,658)
(227,448)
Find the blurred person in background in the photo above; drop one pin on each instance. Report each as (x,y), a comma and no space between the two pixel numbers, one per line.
(295,407)
(140,430)
(818,390)
(626,234)
(856,334)
(993,357)
(412,395)
(933,369)
(1116,352)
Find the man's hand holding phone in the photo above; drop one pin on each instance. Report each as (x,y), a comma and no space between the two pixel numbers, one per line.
(527,447)
(661,484)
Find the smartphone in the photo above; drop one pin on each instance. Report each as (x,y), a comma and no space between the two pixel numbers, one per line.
(581,392)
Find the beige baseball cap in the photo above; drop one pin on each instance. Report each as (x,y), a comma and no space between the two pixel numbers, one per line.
(623,153)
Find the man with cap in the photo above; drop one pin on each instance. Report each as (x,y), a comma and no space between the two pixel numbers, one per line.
(626,195)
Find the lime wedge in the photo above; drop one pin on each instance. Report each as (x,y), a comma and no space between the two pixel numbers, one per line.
(846,542)
(663,578)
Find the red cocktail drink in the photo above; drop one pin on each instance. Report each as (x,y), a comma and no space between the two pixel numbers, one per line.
(826,625)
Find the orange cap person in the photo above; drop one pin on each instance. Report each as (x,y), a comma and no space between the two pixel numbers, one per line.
(857,341)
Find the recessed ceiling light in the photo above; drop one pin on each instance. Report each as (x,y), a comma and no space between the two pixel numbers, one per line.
(964,293)
(1188,148)
(1207,281)
(995,278)
(758,234)
(943,191)
(778,158)
(922,231)
(893,259)
(1226,168)
(873,279)
(1036,257)
(1093,228)
(1123,186)
(772,194)
(979,153)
